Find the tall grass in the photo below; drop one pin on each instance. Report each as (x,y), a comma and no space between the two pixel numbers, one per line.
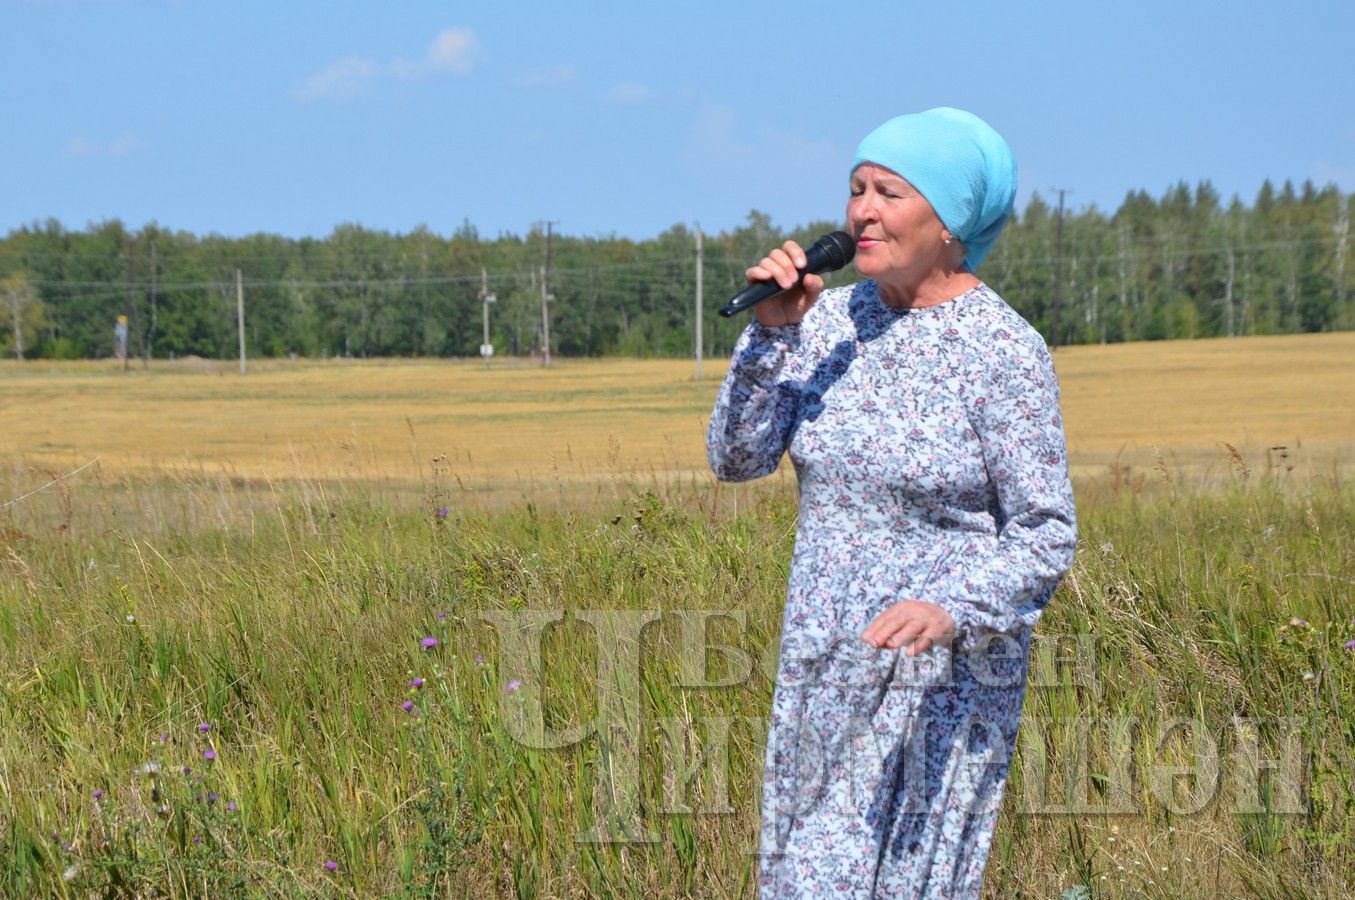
(292,623)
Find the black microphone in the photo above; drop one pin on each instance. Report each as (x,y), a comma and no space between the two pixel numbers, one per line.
(828,254)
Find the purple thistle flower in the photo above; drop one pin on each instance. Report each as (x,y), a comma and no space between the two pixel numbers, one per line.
(98,794)
(442,617)
(164,739)
(416,683)
(407,706)
(197,839)
(213,796)
(429,643)
(513,686)
(231,807)
(331,866)
(209,754)
(204,727)
(443,512)
(1349,645)
(187,770)
(479,659)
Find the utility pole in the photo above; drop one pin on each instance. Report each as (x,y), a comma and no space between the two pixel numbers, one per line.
(1228,290)
(155,283)
(127,344)
(546,299)
(18,332)
(699,332)
(1342,234)
(1058,278)
(240,315)
(419,349)
(486,298)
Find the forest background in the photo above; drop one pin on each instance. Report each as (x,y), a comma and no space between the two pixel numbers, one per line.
(1185,265)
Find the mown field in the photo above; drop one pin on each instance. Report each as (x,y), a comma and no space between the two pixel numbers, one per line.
(266,644)
(516,427)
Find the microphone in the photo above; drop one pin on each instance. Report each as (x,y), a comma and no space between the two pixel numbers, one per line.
(828,254)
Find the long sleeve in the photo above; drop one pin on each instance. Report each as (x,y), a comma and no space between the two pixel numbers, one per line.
(755,411)
(1015,413)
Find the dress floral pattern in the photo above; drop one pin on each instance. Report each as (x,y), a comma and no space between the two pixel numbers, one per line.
(929,450)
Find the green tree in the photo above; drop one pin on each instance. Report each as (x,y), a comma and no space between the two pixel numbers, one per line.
(25,313)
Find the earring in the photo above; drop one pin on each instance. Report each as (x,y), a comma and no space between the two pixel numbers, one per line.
(947,242)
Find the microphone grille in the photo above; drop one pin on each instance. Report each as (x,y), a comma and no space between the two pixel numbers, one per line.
(840,248)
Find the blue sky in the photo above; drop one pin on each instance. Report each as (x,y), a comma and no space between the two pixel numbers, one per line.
(625,118)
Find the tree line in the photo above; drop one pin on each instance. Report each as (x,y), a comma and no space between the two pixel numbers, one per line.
(1185,265)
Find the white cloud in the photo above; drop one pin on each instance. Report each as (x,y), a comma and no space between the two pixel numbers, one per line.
(81,147)
(343,80)
(629,93)
(547,77)
(126,145)
(119,147)
(453,51)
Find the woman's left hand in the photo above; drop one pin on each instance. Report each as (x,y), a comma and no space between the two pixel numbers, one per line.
(914,624)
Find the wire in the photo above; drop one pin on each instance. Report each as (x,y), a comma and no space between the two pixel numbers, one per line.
(10,503)
(643,269)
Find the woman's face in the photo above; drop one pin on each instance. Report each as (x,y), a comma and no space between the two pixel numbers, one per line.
(899,238)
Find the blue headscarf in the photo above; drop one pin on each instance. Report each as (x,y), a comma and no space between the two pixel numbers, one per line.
(959,163)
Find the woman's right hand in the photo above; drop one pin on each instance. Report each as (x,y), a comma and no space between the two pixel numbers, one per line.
(783,266)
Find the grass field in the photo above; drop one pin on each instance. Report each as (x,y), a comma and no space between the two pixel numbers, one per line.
(208,639)
(517,427)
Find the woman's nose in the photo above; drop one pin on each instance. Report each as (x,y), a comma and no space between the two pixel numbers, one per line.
(860,209)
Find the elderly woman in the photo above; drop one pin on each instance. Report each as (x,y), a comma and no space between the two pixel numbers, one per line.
(936,519)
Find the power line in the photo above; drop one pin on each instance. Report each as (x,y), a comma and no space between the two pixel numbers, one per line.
(231,260)
(368,282)
(92,289)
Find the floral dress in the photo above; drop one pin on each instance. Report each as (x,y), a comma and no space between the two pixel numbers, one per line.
(929,450)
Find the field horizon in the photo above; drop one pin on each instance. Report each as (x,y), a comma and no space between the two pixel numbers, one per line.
(1132,411)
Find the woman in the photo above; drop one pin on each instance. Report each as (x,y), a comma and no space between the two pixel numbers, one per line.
(936,519)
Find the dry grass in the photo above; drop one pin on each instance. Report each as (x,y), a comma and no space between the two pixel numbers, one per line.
(360,420)
(1129,409)
(1184,399)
